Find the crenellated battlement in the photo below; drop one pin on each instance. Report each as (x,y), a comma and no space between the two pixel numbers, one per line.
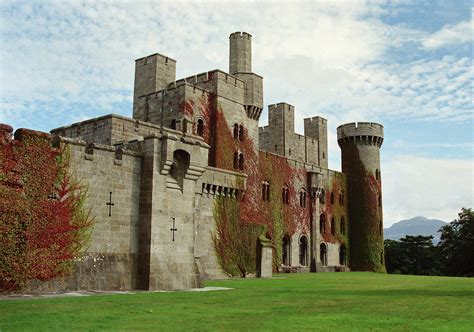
(370,133)
(240,34)
(154,58)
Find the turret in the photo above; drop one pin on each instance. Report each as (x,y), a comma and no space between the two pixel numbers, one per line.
(240,53)
(240,65)
(360,147)
(152,73)
(317,128)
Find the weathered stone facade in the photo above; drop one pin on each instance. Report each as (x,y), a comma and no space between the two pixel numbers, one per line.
(164,169)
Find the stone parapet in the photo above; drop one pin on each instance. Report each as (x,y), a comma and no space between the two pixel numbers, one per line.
(370,133)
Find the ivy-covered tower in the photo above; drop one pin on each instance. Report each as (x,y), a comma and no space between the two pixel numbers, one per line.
(360,146)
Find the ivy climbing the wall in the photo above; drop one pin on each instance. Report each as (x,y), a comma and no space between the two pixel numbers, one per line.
(43,223)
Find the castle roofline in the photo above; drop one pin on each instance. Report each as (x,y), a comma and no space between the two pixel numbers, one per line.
(156,53)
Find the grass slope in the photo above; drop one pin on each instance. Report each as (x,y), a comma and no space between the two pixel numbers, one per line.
(334,301)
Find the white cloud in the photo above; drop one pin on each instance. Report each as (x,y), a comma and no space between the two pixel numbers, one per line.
(450,35)
(434,188)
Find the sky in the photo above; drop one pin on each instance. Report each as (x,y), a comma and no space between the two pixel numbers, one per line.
(404,64)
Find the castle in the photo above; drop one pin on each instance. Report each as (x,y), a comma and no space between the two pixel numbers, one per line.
(159,183)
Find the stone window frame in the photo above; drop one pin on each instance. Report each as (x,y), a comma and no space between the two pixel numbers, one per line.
(322,223)
(333,226)
(303,254)
(285,195)
(200,127)
(323,253)
(173,124)
(266,191)
(341,197)
(322,197)
(342,226)
(303,197)
(238,132)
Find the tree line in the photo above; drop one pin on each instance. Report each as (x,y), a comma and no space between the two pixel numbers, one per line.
(452,256)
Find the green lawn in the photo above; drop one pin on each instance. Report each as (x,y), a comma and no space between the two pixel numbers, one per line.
(322,301)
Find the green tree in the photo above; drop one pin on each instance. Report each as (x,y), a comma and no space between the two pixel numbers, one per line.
(457,245)
(412,255)
(394,256)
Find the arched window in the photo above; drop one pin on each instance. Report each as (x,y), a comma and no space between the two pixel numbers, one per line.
(179,168)
(241,161)
(332,198)
(285,195)
(323,254)
(236,131)
(342,226)
(286,251)
(342,255)
(236,160)
(341,197)
(333,226)
(200,127)
(322,223)
(265,191)
(173,124)
(303,250)
(303,197)
(241,133)
(322,197)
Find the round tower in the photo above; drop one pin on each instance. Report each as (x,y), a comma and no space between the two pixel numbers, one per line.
(360,147)
(240,53)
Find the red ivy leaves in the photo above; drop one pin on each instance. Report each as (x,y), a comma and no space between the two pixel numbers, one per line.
(42,225)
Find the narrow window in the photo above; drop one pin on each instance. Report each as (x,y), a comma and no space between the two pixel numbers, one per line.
(332,198)
(380,200)
(377,174)
(285,195)
(303,250)
(173,124)
(303,198)
(236,160)
(323,254)
(286,250)
(241,133)
(265,191)
(381,227)
(241,161)
(341,198)
(322,197)
(289,152)
(236,131)
(322,223)
(333,226)
(342,255)
(342,226)
(200,127)
(276,148)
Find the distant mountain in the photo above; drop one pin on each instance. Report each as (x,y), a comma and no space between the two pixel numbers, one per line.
(415,226)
